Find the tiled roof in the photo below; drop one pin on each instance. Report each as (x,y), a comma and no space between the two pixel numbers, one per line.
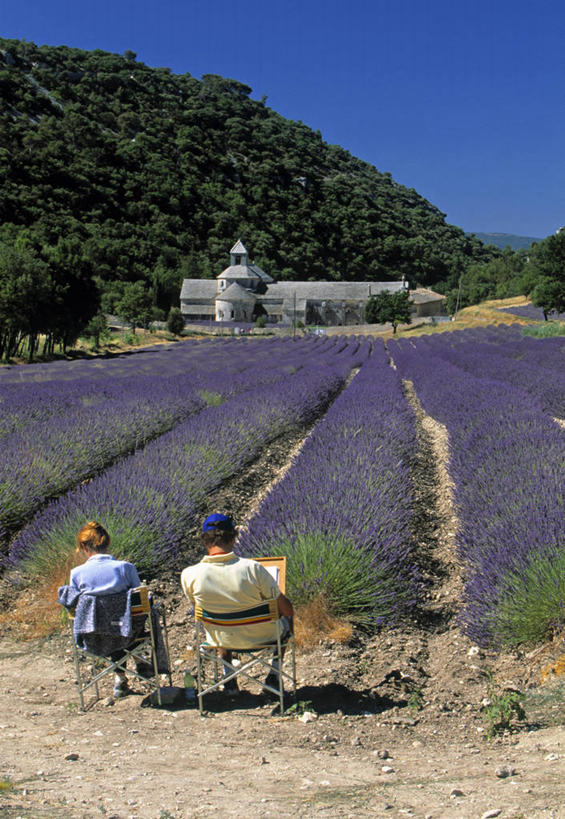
(422,295)
(329,291)
(239,271)
(235,292)
(261,273)
(194,289)
(238,248)
(245,271)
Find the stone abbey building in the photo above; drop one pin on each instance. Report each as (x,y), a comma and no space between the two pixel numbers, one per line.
(243,292)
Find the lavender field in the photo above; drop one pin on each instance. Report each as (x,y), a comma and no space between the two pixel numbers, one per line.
(531,312)
(342,513)
(502,408)
(143,443)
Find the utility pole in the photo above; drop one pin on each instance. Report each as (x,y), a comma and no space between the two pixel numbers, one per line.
(294,316)
(458,296)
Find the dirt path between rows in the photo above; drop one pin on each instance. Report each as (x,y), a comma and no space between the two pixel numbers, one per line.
(399,728)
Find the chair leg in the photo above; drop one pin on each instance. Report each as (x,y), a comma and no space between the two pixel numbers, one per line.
(78,678)
(154,658)
(293,669)
(280,664)
(166,641)
(200,678)
(94,674)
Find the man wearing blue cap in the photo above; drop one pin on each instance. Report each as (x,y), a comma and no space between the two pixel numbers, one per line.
(224,582)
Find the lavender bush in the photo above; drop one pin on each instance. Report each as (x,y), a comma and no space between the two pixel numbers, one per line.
(342,513)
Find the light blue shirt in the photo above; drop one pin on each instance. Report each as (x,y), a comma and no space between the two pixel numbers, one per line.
(103,574)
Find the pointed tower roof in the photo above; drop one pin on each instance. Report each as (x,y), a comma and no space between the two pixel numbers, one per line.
(240,267)
(239,248)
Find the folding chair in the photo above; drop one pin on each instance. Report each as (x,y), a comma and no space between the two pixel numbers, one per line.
(142,649)
(260,656)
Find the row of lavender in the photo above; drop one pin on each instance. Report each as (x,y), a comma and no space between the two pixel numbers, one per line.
(342,513)
(506,461)
(531,312)
(60,432)
(60,391)
(151,500)
(536,366)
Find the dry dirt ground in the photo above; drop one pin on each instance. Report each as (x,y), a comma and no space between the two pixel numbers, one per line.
(400,720)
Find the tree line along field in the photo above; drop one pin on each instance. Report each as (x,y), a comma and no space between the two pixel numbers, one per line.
(140,442)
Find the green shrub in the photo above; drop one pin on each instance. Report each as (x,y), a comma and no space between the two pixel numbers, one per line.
(548,329)
(175,321)
(502,710)
(348,578)
(129,337)
(59,543)
(533,603)
(213,399)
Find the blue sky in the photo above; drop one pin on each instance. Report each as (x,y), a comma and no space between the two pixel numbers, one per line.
(460,99)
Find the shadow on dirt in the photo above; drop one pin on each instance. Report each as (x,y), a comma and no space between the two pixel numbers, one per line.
(334,697)
(323,699)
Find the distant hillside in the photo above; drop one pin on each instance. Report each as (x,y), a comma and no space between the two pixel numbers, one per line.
(502,240)
(156,175)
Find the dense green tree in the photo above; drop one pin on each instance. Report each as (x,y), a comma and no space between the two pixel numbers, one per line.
(389,308)
(78,296)
(27,294)
(547,258)
(136,305)
(549,294)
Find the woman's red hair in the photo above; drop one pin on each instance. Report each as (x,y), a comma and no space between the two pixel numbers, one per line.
(94,537)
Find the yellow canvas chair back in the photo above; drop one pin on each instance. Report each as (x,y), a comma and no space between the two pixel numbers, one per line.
(259,657)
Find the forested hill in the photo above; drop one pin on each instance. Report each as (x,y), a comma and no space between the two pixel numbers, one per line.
(503,240)
(153,176)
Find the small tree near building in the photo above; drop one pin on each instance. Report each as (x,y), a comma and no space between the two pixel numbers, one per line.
(136,305)
(392,308)
(97,328)
(175,321)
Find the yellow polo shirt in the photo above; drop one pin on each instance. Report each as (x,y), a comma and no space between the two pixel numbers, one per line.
(224,583)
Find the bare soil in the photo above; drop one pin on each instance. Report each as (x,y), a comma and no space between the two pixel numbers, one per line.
(399,727)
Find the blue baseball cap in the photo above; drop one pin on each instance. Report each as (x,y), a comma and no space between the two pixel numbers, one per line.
(218,521)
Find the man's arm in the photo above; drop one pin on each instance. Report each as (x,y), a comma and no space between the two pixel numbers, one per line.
(284,606)
(186,584)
